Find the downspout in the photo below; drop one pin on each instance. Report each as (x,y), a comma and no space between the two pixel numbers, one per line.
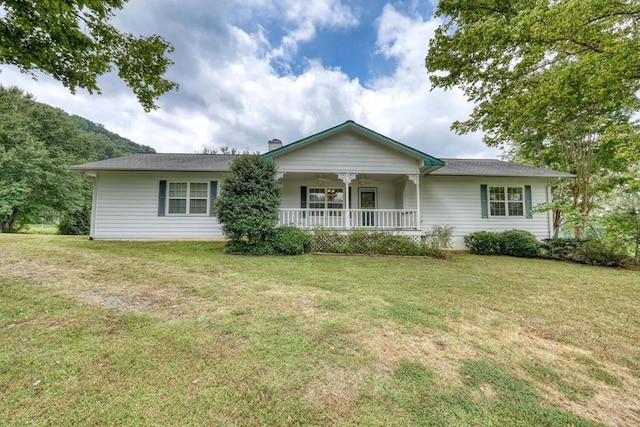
(419,217)
(94,204)
(550,231)
(415,178)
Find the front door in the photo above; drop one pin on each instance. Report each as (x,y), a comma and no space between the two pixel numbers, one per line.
(368,201)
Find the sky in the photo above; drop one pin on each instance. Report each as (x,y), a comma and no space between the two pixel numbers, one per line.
(254,70)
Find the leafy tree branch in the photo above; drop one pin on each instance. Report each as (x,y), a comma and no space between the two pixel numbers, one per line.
(72,41)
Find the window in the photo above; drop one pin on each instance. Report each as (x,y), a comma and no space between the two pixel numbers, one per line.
(188,198)
(326,198)
(506,201)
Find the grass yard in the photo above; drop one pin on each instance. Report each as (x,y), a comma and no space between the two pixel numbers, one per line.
(178,333)
(40,229)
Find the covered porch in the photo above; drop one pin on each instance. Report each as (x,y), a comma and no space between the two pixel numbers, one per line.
(343,201)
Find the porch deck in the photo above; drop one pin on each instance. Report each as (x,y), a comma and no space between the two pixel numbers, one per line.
(342,219)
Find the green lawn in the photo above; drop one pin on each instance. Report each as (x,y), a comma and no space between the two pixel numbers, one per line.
(40,229)
(178,333)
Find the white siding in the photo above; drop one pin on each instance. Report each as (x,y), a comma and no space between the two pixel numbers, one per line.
(126,207)
(399,189)
(455,201)
(410,193)
(347,153)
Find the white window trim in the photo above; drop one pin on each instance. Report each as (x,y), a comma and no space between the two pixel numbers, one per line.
(367,190)
(506,201)
(334,211)
(326,200)
(188,198)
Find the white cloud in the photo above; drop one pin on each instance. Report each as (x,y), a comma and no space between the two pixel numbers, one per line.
(232,95)
(402,105)
(306,18)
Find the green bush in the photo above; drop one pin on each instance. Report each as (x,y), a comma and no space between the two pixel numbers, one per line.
(290,240)
(247,207)
(439,238)
(389,244)
(364,242)
(76,223)
(484,243)
(594,252)
(358,242)
(323,240)
(256,247)
(562,249)
(519,243)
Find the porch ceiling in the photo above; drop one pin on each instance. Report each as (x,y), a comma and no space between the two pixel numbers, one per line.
(331,177)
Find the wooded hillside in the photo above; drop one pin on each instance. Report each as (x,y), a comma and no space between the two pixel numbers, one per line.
(38,143)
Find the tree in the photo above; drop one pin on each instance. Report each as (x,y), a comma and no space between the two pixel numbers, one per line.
(555,83)
(35,182)
(38,143)
(33,185)
(249,199)
(225,149)
(623,221)
(72,41)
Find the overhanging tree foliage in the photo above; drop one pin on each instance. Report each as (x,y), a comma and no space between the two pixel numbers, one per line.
(247,206)
(555,83)
(72,41)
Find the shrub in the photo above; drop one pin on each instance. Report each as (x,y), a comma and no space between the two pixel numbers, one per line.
(247,206)
(363,242)
(519,243)
(323,240)
(389,244)
(290,240)
(76,223)
(594,252)
(358,242)
(256,247)
(439,238)
(484,243)
(562,249)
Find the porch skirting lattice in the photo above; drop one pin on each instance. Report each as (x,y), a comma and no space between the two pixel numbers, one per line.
(341,238)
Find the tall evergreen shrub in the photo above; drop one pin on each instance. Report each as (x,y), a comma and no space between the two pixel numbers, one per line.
(247,206)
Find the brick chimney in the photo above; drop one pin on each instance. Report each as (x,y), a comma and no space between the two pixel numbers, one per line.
(274,144)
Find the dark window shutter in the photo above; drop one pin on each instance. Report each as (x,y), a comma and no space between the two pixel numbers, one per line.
(303,200)
(213,193)
(527,201)
(484,201)
(162,198)
(350,192)
(303,197)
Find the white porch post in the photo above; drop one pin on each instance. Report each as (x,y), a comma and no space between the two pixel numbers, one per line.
(279,176)
(415,178)
(346,178)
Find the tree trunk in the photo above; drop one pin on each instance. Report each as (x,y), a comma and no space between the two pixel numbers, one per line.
(575,189)
(557,220)
(6,225)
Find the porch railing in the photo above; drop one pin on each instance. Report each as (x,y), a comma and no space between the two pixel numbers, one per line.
(377,219)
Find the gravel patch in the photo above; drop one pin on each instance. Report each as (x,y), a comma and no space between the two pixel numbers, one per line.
(119,302)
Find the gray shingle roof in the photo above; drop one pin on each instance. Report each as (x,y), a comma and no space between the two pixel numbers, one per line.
(492,167)
(162,162)
(221,163)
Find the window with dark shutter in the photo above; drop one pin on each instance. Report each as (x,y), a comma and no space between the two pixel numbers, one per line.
(162,198)
(213,193)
